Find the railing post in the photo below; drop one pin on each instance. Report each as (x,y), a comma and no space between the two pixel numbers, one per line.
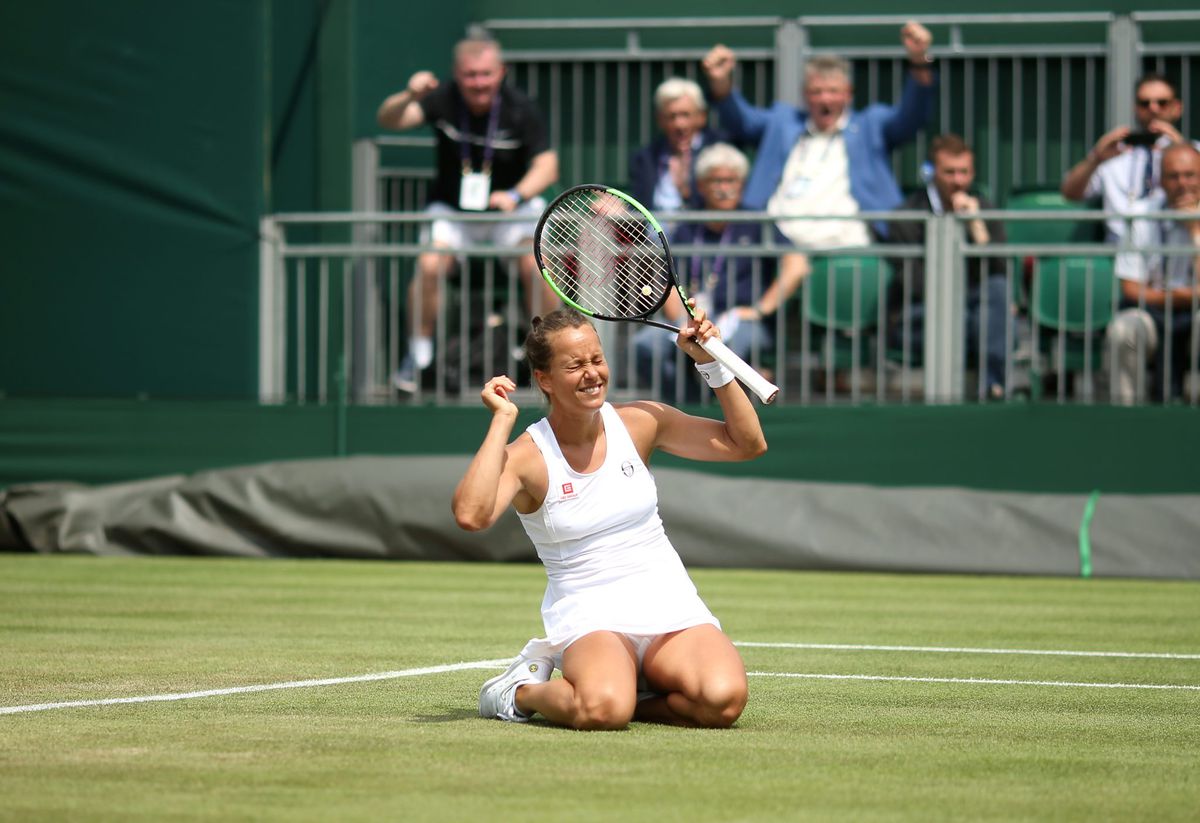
(1123,68)
(954,333)
(272,329)
(791,51)
(367,308)
(943,333)
(933,265)
(365,164)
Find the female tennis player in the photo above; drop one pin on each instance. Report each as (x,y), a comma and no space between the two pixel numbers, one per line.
(623,620)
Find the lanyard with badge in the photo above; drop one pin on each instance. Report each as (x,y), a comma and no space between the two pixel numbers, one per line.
(476,186)
(798,186)
(700,287)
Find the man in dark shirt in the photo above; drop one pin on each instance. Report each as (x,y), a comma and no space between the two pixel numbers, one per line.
(492,155)
(741,293)
(950,192)
(662,175)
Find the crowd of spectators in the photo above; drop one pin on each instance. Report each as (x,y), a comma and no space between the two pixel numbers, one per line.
(816,167)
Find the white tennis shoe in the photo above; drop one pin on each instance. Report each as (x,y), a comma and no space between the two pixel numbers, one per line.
(406,378)
(498,697)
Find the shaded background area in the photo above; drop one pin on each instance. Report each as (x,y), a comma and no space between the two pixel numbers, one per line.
(142,141)
(140,144)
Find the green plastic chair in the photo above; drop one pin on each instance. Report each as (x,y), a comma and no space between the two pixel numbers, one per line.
(1049,231)
(1073,302)
(842,300)
(1045,231)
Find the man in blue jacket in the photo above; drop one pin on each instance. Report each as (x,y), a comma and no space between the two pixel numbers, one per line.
(829,158)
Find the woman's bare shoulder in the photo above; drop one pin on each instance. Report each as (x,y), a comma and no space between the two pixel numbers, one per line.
(526,463)
(523,450)
(644,420)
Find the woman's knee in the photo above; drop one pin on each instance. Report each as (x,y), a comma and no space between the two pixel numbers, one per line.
(603,709)
(720,701)
(725,701)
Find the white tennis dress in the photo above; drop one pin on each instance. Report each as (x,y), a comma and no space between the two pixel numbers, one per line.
(609,564)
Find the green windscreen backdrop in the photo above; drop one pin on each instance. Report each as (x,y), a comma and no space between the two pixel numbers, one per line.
(140,144)
(131,185)
(1043,448)
(484,9)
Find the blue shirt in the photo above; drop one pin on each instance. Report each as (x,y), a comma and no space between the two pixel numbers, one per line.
(870,136)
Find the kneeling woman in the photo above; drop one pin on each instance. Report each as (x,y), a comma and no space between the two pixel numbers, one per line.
(623,620)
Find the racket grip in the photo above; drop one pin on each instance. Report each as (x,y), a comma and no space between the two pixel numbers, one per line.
(751,379)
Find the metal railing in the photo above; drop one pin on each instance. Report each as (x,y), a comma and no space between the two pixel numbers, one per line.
(1030,92)
(335,317)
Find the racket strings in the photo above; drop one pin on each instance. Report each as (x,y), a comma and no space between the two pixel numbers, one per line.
(574,229)
(602,255)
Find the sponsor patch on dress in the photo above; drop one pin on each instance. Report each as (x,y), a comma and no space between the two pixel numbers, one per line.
(568,492)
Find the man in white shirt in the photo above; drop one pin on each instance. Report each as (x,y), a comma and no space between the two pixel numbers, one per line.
(1160,291)
(1124,166)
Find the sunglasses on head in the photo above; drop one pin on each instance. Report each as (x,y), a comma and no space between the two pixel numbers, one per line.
(1147,102)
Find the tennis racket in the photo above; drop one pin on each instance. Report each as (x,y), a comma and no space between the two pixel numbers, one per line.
(606,255)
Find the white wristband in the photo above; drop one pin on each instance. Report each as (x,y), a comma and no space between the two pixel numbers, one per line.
(714,374)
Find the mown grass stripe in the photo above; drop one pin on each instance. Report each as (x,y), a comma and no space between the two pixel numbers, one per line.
(263,687)
(967,650)
(978,681)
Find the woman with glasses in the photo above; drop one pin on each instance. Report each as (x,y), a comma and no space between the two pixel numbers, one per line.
(741,292)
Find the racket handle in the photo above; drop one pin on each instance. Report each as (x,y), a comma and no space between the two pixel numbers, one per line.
(755,382)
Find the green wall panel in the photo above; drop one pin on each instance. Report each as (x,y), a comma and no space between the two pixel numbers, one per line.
(483,9)
(295,36)
(1050,449)
(394,40)
(131,190)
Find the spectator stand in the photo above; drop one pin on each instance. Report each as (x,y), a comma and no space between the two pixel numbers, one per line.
(998,74)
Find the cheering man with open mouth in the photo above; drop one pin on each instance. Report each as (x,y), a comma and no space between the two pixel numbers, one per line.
(828,159)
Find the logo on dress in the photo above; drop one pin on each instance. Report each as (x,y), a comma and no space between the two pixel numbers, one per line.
(627,469)
(568,491)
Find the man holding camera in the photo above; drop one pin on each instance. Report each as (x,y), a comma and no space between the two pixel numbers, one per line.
(1124,165)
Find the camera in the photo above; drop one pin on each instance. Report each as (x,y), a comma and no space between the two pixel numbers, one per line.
(1141,138)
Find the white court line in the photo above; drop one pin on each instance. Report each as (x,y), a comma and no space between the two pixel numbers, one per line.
(266,687)
(976,680)
(502,662)
(953,650)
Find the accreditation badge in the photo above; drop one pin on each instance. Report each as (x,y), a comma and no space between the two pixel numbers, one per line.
(474,191)
(799,187)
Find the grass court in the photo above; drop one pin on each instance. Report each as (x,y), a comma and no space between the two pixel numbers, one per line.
(873,697)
